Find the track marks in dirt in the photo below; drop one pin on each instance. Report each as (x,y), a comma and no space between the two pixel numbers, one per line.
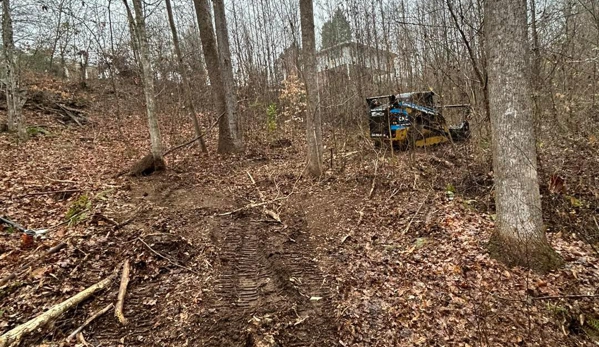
(241,275)
(269,291)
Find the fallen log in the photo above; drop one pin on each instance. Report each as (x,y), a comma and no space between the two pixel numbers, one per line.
(14,336)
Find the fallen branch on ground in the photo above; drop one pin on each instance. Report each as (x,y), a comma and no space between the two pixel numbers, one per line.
(266,211)
(252,206)
(414,216)
(376,167)
(63,181)
(556,297)
(5,255)
(564,297)
(443,162)
(345,155)
(118,311)
(194,139)
(165,258)
(273,215)
(128,221)
(14,274)
(361,213)
(52,192)
(254,183)
(88,321)
(63,112)
(14,336)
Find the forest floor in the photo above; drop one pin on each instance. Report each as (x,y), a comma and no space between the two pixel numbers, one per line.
(383,250)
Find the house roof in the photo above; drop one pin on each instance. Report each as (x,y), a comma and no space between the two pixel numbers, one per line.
(355,45)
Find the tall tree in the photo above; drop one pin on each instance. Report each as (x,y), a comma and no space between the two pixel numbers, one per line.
(313,117)
(182,72)
(336,30)
(535,64)
(14,101)
(519,238)
(140,42)
(224,53)
(83,64)
(228,140)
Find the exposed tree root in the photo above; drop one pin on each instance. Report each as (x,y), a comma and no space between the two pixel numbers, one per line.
(147,166)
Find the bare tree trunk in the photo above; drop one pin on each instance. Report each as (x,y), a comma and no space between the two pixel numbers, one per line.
(141,41)
(57,36)
(536,66)
(313,117)
(83,62)
(519,238)
(14,101)
(226,137)
(224,52)
(186,85)
(132,33)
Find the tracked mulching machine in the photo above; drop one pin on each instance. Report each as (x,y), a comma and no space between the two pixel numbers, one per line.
(411,120)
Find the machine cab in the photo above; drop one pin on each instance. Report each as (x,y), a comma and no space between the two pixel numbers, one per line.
(390,116)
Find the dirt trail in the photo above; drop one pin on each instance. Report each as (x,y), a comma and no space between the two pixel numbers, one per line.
(264,286)
(269,292)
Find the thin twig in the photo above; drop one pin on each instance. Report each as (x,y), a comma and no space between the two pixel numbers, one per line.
(63,181)
(548,297)
(88,321)
(252,206)
(166,258)
(254,183)
(128,221)
(266,211)
(395,191)
(361,213)
(2,256)
(564,297)
(414,216)
(376,167)
(52,192)
(16,273)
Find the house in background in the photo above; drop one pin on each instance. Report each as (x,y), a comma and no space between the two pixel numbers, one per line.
(353,60)
(350,60)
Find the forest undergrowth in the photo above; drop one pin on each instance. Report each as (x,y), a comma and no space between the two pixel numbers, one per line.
(245,250)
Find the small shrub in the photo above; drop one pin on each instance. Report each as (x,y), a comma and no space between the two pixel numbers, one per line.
(77,211)
(34,131)
(271,117)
